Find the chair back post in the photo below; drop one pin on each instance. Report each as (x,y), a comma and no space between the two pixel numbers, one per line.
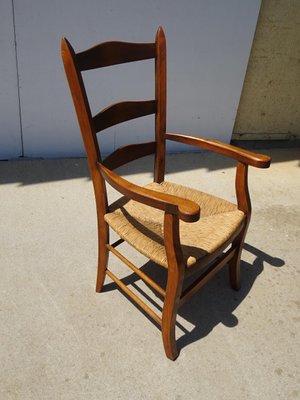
(85,121)
(242,190)
(161,100)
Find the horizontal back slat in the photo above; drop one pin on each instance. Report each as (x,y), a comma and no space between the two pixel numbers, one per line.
(121,112)
(111,53)
(128,153)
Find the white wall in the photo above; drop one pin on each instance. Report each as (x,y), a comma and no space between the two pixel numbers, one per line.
(208,48)
(10,130)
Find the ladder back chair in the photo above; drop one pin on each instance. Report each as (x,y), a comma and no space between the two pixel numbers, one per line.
(162,219)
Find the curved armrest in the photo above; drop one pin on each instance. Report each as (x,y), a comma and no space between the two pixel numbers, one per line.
(186,210)
(244,156)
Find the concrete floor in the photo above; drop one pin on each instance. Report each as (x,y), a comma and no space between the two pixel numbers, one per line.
(61,340)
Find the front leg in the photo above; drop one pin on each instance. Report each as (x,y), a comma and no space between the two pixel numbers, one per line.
(174,284)
(244,204)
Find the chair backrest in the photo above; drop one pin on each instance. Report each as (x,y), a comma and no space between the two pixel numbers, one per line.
(103,55)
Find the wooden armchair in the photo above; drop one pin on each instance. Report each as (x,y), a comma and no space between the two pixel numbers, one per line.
(161,220)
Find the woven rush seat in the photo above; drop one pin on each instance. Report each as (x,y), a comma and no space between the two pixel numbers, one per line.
(142,226)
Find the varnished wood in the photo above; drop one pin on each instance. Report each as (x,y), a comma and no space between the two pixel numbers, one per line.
(186,210)
(112,53)
(161,104)
(81,103)
(140,273)
(89,137)
(244,156)
(128,153)
(121,112)
(174,283)
(244,204)
(242,190)
(135,298)
(103,239)
(174,208)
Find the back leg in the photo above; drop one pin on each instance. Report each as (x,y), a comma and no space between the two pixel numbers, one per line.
(235,269)
(235,263)
(103,238)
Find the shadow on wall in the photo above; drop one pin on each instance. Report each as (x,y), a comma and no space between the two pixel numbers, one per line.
(28,172)
(211,305)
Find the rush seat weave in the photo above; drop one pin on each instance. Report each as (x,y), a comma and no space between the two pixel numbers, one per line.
(142,226)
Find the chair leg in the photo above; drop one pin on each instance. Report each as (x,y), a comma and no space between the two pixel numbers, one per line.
(235,262)
(235,270)
(103,238)
(174,288)
(174,284)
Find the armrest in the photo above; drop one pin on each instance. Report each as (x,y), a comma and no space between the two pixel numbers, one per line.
(244,156)
(186,210)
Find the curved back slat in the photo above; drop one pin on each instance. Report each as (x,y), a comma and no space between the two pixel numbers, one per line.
(128,153)
(111,53)
(121,112)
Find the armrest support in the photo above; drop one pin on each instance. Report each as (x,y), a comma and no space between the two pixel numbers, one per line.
(186,210)
(244,156)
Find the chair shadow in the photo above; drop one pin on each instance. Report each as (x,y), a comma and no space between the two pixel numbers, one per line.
(216,302)
(213,304)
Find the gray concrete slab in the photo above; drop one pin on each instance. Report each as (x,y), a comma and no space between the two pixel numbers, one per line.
(61,340)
